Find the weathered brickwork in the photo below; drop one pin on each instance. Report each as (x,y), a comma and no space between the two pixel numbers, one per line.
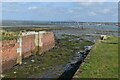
(9,54)
(9,48)
(47,42)
(28,45)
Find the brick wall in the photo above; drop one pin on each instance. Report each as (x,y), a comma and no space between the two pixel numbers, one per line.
(48,41)
(9,48)
(28,45)
(9,54)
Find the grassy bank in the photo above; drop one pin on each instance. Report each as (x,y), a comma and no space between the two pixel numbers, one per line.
(102,62)
(38,64)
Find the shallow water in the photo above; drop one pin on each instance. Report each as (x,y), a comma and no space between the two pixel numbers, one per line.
(79,32)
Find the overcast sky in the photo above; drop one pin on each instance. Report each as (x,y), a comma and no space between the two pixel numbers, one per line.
(61,11)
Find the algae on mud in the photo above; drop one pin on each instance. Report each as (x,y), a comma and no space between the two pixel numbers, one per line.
(36,65)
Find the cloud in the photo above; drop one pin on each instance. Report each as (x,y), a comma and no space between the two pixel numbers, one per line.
(96,0)
(60,0)
(33,8)
(105,11)
(92,14)
(70,11)
(90,3)
(86,3)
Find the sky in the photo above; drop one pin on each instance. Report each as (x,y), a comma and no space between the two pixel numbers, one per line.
(61,11)
(59,0)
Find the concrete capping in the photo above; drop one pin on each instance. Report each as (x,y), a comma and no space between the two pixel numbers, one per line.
(29,33)
(40,37)
(19,51)
(33,32)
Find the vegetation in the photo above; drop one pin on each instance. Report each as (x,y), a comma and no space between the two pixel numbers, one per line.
(102,62)
(11,33)
(43,29)
(8,35)
(59,56)
(29,28)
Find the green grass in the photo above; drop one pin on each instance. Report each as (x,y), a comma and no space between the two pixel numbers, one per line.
(12,33)
(58,56)
(8,35)
(102,62)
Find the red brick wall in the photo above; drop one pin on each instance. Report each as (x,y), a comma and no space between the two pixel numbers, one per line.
(48,41)
(28,45)
(9,54)
(9,51)
(9,48)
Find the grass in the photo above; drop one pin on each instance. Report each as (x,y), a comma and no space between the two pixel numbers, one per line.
(60,55)
(12,33)
(8,35)
(102,62)
(43,29)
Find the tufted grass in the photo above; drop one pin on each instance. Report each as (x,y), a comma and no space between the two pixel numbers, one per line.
(102,62)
